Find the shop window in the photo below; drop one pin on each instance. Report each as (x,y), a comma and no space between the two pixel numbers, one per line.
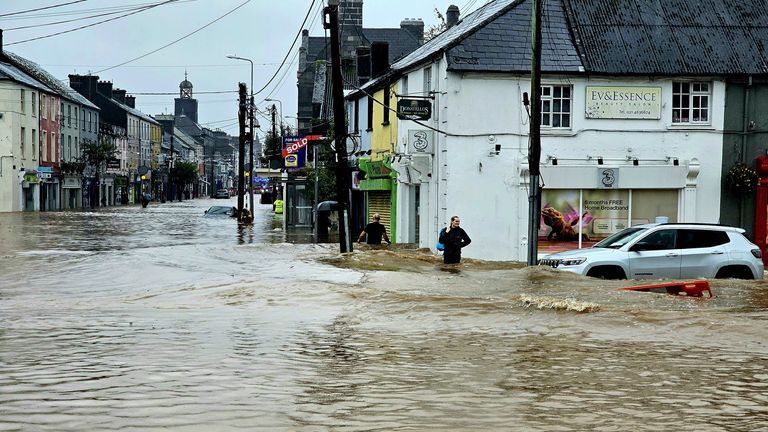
(556,106)
(572,219)
(691,102)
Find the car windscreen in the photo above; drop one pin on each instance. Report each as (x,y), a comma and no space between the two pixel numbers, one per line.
(219,210)
(620,238)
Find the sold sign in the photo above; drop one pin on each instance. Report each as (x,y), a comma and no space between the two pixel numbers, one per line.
(292,145)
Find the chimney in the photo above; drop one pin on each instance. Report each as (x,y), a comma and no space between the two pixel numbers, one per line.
(452,17)
(303,51)
(130,101)
(118,95)
(86,85)
(105,88)
(363,65)
(379,58)
(414,27)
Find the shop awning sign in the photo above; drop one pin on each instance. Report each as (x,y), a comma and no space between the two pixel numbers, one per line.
(414,109)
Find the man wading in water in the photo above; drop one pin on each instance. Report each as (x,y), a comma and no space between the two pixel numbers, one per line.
(375,231)
(454,238)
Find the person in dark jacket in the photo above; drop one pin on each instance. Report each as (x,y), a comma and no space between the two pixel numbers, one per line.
(374,231)
(454,238)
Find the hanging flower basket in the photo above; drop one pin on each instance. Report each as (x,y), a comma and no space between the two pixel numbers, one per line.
(741,178)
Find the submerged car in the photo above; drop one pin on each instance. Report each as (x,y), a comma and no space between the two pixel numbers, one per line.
(221,211)
(666,251)
(221,193)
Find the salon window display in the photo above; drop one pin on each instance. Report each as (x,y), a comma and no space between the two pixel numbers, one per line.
(571,219)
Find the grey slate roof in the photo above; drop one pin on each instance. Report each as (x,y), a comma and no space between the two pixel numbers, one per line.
(9,71)
(504,43)
(671,37)
(611,37)
(58,86)
(401,41)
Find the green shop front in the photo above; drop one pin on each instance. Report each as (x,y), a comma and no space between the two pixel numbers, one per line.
(380,188)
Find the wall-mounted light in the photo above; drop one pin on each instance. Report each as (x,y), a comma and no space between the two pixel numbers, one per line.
(599,160)
(554,161)
(675,162)
(635,162)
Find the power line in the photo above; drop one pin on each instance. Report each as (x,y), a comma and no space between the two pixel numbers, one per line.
(309,12)
(121,8)
(76,19)
(177,40)
(175,93)
(42,8)
(92,24)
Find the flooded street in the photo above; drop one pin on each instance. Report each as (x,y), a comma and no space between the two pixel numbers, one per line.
(136,319)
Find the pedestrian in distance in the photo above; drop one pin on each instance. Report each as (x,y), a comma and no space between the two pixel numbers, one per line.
(375,231)
(454,238)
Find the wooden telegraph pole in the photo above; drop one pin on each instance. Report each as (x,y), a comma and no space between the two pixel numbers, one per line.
(534,155)
(241,156)
(339,125)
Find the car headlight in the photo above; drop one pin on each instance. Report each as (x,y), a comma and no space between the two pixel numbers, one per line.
(572,261)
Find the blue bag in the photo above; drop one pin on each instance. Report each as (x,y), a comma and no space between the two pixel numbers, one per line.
(439,246)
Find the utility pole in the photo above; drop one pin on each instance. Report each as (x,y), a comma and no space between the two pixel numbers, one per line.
(534,155)
(250,147)
(331,22)
(241,156)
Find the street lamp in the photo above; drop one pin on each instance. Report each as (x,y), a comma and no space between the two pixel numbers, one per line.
(250,140)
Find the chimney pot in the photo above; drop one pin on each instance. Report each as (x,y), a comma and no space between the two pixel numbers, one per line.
(452,16)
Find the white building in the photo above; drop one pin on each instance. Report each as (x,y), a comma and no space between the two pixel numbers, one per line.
(627,136)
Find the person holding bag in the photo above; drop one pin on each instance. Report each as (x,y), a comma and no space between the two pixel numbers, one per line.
(453,238)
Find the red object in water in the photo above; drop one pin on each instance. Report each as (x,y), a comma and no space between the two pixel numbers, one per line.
(695,288)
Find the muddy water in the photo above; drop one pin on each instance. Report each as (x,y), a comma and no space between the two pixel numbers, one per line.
(162,319)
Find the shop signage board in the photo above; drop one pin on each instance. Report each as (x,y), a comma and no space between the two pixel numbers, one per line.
(607,178)
(421,142)
(113,163)
(414,109)
(624,102)
(294,151)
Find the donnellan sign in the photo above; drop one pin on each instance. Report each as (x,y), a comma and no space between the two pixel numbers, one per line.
(608,102)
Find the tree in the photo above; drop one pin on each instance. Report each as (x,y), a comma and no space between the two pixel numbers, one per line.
(183,173)
(436,29)
(273,151)
(96,154)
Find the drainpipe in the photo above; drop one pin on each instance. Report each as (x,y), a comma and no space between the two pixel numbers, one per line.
(744,130)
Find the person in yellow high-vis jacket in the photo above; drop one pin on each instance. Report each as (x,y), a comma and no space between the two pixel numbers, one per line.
(278,206)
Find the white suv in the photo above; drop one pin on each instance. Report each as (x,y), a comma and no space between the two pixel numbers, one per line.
(660,251)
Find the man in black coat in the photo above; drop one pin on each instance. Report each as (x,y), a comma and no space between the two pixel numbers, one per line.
(454,238)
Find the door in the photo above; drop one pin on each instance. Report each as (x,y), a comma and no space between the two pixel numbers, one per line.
(655,256)
(703,252)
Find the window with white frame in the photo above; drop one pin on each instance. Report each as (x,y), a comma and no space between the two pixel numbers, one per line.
(35,145)
(23,102)
(690,102)
(34,104)
(556,106)
(23,142)
(44,106)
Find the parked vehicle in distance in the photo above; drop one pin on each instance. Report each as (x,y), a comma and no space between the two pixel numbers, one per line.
(666,251)
(221,211)
(221,193)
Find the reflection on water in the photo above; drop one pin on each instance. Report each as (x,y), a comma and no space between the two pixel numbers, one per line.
(161,318)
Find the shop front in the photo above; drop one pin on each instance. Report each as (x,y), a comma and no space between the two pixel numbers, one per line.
(50,188)
(71,192)
(582,205)
(30,191)
(380,190)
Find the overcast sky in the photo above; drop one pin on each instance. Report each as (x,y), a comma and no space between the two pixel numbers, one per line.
(262,30)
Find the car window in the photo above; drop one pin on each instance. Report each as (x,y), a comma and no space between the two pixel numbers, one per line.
(620,238)
(659,240)
(697,238)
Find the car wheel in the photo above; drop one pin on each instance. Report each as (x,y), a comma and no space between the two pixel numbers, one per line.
(607,272)
(734,272)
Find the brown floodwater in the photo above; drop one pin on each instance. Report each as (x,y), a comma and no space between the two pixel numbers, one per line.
(130,319)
